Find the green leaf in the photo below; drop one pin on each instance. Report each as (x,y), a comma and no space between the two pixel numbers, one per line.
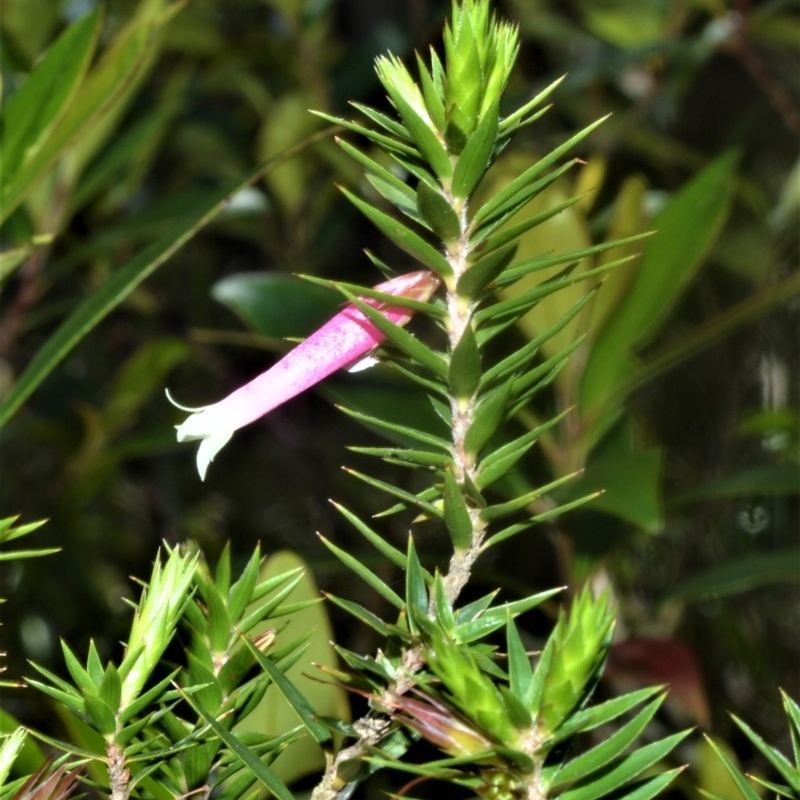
(122,282)
(456,515)
(625,770)
(475,158)
(687,227)
(276,305)
(419,129)
(489,415)
(520,674)
(782,765)
(392,554)
(480,274)
(31,113)
(609,749)
(404,431)
(748,793)
(365,574)
(416,590)
(500,510)
(739,575)
(496,205)
(408,241)
(402,339)
(408,498)
(602,713)
(296,700)
(437,212)
(362,614)
(500,461)
(465,366)
(265,775)
(653,787)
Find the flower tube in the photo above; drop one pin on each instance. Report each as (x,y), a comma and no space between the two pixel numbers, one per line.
(342,341)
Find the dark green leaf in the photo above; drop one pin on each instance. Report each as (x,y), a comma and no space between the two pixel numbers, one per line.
(408,241)
(489,414)
(32,112)
(480,274)
(360,613)
(465,366)
(365,574)
(265,775)
(741,575)
(123,281)
(518,503)
(609,749)
(437,212)
(408,498)
(416,589)
(625,770)
(518,186)
(293,697)
(392,554)
(475,158)
(456,514)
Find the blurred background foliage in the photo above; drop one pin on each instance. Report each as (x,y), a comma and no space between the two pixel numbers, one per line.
(683,395)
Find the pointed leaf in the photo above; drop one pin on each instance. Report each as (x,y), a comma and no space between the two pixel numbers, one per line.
(465,366)
(475,158)
(408,241)
(456,514)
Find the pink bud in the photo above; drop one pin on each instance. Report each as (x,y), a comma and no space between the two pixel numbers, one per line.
(340,342)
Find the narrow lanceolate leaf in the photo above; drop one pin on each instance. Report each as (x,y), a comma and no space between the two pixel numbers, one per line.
(735,773)
(365,574)
(378,170)
(500,461)
(516,117)
(395,556)
(456,514)
(519,184)
(475,158)
(246,755)
(123,281)
(625,770)
(520,673)
(397,198)
(414,434)
(416,459)
(601,714)
(653,787)
(408,241)
(518,503)
(416,589)
(489,415)
(480,274)
(319,732)
(437,212)
(784,767)
(609,749)
(362,615)
(402,339)
(33,110)
(524,268)
(394,491)
(465,366)
(382,120)
(511,207)
(391,144)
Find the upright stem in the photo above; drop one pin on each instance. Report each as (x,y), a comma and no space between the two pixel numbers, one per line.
(460,312)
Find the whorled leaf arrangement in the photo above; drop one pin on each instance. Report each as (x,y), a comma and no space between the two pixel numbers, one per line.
(504,725)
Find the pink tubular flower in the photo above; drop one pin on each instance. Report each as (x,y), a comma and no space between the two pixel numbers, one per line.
(340,342)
